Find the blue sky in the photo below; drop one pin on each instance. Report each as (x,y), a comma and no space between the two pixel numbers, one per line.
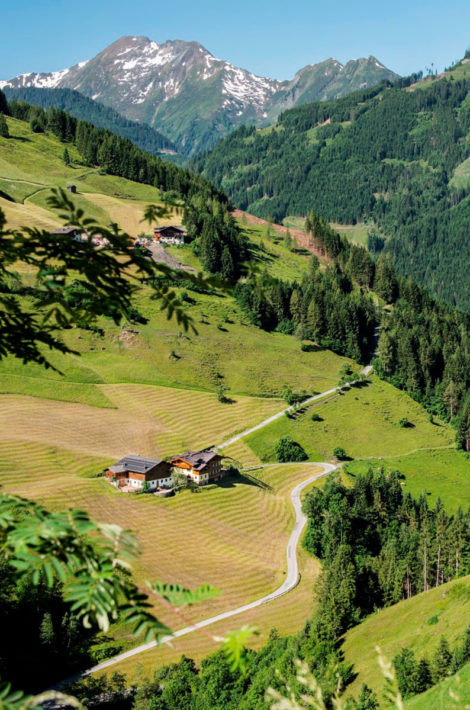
(269,38)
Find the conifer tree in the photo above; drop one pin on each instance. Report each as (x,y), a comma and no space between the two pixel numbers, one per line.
(451,398)
(441,661)
(366,700)
(227,270)
(385,282)
(66,157)
(405,669)
(422,678)
(295,306)
(4,132)
(46,631)
(336,595)
(4,104)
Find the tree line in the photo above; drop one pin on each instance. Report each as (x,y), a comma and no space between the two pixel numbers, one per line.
(325,307)
(424,345)
(416,676)
(101,116)
(379,546)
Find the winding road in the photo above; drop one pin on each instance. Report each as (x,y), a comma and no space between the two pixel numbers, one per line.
(365,371)
(292,575)
(291,580)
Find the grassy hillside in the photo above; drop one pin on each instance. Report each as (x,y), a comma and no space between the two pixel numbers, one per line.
(450,694)
(364,421)
(149,388)
(227,350)
(146,387)
(438,472)
(31,164)
(417,623)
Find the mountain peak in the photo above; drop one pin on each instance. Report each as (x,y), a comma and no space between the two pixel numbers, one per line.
(180,88)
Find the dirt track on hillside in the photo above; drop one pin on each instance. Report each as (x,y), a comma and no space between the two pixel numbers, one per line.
(302,238)
(162,256)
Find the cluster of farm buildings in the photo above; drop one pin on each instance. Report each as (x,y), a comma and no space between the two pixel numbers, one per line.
(170,234)
(161,235)
(135,473)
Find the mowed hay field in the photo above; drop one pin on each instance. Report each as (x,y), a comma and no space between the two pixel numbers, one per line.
(287,614)
(31,164)
(231,535)
(151,421)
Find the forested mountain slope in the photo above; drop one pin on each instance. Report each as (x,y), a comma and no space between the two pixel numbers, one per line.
(101,116)
(396,155)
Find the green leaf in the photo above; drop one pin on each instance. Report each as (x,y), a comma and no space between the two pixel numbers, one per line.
(234,647)
(178,596)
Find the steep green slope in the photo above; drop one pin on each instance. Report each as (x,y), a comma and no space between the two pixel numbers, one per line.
(449,694)
(31,164)
(416,623)
(393,155)
(229,349)
(101,116)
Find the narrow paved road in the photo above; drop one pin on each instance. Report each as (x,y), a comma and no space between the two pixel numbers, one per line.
(292,575)
(291,580)
(273,418)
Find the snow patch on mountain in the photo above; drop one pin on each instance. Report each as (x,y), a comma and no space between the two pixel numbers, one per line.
(141,79)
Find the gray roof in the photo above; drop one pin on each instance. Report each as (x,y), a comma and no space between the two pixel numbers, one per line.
(136,464)
(65,230)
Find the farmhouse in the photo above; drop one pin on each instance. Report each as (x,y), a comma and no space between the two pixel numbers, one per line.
(68,232)
(79,236)
(202,467)
(130,473)
(169,235)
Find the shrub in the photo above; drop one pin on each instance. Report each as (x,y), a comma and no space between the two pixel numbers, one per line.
(316,417)
(404,423)
(285,326)
(221,394)
(289,450)
(291,397)
(339,453)
(101,653)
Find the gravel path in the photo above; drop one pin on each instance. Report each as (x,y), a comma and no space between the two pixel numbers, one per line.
(162,256)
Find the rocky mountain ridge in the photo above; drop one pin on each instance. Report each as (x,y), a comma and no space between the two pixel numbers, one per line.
(191,96)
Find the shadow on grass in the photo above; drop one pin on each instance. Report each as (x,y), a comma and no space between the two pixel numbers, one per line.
(259,255)
(244,478)
(301,251)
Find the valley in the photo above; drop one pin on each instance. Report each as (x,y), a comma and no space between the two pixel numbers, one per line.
(284,329)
